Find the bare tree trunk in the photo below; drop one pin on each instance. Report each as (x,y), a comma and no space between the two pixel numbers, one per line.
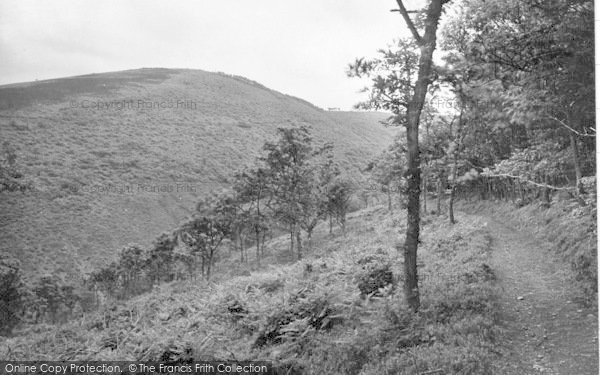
(262,245)
(208,267)
(415,106)
(546,192)
(439,195)
(240,241)
(330,224)
(291,240)
(454,173)
(257,233)
(451,206)
(576,163)
(424,192)
(298,245)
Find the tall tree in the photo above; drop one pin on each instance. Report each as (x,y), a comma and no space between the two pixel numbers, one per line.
(401,79)
(426,44)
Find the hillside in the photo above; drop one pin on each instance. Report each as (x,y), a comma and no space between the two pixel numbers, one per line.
(496,300)
(120,157)
(324,314)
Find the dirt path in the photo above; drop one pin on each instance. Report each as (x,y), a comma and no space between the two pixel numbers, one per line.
(545,331)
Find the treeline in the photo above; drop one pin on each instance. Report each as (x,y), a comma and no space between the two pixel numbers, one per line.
(48,299)
(294,185)
(510,113)
(511,106)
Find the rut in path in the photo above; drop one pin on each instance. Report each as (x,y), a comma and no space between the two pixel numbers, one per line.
(545,331)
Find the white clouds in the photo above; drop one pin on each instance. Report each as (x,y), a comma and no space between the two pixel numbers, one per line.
(299,48)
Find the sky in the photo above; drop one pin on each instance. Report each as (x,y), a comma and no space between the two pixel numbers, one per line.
(300,48)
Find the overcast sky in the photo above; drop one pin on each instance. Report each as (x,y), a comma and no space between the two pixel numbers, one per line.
(300,48)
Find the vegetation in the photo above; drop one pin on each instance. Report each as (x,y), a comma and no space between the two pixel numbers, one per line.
(11,178)
(105,177)
(305,316)
(517,143)
(12,294)
(519,77)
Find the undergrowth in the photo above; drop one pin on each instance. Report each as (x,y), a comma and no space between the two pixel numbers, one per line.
(339,311)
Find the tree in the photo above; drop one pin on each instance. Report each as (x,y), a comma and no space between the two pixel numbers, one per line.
(105,279)
(160,258)
(132,261)
(434,148)
(338,202)
(529,69)
(56,296)
(288,162)
(207,228)
(320,177)
(254,195)
(404,94)
(387,170)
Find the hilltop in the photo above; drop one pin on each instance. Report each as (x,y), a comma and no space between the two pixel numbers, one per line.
(120,157)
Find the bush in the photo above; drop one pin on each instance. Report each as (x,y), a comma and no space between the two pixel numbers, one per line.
(304,313)
(12,294)
(377,277)
(57,298)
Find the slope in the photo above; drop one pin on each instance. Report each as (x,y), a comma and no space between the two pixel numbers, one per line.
(120,157)
(338,311)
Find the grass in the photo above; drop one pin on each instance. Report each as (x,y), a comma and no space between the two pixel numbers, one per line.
(310,316)
(96,171)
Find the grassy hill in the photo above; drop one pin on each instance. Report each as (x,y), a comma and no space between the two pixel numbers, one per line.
(120,157)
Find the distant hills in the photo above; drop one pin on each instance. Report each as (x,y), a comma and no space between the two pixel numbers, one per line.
(121,157)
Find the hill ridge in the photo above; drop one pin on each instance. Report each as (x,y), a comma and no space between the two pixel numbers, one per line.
(11,93)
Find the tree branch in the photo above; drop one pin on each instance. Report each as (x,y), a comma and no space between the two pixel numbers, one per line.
(409,22)
(570,128)
(528,181)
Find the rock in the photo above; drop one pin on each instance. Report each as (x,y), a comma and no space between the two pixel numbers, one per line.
(520,298)
(163,316)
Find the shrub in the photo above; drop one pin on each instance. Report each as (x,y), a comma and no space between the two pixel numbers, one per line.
(12,294)
(377,277)
(55,296)
(304,313)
